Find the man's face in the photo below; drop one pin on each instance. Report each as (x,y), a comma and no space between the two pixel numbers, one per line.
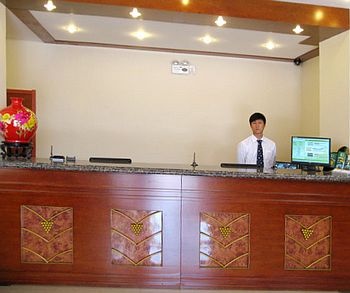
(257,127)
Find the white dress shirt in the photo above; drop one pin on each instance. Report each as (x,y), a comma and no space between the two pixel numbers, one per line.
(247,151)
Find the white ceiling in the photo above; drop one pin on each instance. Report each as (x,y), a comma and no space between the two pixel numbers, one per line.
(108,30)
(178,36)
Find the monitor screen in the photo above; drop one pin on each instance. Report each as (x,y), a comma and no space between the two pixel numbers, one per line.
(311,150)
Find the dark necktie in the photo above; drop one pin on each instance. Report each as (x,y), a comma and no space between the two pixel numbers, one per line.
(260,155)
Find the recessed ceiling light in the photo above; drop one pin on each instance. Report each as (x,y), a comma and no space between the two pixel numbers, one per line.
(135,13)
(185,2)
(50,6)
(220,21)
(270,45)
(207,39)
(141,34)
(298,29)
(72,28)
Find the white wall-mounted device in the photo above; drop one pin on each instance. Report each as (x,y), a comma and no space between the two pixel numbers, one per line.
(182,67)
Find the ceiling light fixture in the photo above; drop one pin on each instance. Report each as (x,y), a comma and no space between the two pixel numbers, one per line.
(72,28)
(207,39)
(135,13)
(49,5)
(298,29)
(185,2)
(141,34)
(319,15)
(220,21)
(270,45)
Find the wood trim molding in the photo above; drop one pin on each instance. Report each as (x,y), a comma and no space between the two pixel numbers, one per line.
(26,17)
(170,50)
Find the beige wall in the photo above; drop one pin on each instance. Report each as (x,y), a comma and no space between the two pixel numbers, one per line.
(2,56)
(310,97)
(110,102)
(335,89)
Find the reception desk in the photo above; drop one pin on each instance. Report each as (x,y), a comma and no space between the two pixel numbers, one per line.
(173,227)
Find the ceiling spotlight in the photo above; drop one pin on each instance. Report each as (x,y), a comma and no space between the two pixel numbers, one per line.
(141,34)
(319,15)
(135,13)
(50,6)
(72,28)
(298,29)
(220,21)
(207,39)
(185,2)
(270,45)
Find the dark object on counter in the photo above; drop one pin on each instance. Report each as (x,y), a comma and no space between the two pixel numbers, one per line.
(342,157)
(71,159)
(16,150)
(338,160)
(194,163)
(57,159)
(238,166)
(110,160)
(286,165)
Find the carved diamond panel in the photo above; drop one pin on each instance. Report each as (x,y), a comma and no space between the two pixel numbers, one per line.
(308,242)
(224,240)
(46,234)
(136,237)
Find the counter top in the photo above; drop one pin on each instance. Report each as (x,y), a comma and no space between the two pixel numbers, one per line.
(173,169)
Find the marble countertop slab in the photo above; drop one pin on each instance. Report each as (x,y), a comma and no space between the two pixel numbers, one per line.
(173,169)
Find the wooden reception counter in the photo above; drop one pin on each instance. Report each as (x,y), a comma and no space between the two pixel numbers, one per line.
(173,227)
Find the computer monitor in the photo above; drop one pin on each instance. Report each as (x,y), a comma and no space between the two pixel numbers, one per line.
(310,152)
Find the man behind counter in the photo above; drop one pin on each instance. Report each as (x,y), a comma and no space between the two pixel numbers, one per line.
(257,149)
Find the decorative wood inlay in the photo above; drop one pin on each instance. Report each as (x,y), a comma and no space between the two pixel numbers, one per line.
(136,237)
(307,233)
(225,231)
(308,242)
(46,234)
(136,228)
(224,240)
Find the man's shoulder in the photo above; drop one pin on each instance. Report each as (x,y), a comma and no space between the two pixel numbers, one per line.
(246,140)
(270,141)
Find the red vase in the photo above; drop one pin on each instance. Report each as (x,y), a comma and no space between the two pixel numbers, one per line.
(17,123)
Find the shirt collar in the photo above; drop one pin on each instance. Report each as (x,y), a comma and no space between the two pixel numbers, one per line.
(253,138)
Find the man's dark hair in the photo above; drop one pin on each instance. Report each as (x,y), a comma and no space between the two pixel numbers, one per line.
(257,116)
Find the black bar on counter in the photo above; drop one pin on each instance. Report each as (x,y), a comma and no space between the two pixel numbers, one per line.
(237,165)
(110,160)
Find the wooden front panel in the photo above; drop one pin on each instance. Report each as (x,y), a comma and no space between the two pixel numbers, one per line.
(321,209)
(308,242)
(224,240)
(136,237)
(88,198)
(136,229)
